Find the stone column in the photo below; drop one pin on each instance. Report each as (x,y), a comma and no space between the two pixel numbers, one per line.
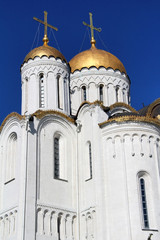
(54,230)
(69,227)
(6,222)
(74,228)
(1,227)
(40,222)
(47,227)
(62,227)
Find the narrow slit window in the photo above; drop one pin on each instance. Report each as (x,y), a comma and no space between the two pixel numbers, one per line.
(56,157)
(90,159)
(60,168)
(117,94)
(144,203)
(41,94)
(26,94)
(101,93)
(84,94)
(60,91)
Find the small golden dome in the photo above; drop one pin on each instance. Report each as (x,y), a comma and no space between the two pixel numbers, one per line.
(95,58)
(44,50)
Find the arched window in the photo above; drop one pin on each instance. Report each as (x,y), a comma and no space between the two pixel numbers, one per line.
(59,158)
(88,159)
(56,157)
(117,93)
(128,97)
(101,93)
(144,203)
(60,91)
(26,94)
(41,91)
(11,154)
(84,94)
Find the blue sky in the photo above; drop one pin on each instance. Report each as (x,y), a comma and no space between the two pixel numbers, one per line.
(130,30)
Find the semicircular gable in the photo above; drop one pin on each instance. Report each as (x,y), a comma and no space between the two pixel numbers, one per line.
(121,105)
(11,115)
(41,114)
(55,119)
(87,103)
(154,109)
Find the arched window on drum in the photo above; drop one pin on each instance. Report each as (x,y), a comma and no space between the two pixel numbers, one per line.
(60,91)
(41,91)
(101,88)
(84,94)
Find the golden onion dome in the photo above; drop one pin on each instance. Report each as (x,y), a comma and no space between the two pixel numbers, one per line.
(44,50)
(95,58)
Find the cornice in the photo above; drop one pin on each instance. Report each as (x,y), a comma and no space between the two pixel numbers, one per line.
(37,62)
(99,72)
(133,118)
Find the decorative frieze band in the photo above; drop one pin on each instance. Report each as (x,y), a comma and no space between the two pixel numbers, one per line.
(8,223)
(55,222)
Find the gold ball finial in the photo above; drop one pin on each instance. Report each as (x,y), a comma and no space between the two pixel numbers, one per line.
(45,40)
(93,42)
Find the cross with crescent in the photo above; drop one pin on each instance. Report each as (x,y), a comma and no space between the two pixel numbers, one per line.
(92,28)
(45,39)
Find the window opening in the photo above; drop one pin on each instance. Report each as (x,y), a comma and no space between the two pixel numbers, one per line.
(56,157)
(41,99)
(117,93)
(90,159)
(60,91)
(84,95)
(144,203)
(26,94)
(101,93)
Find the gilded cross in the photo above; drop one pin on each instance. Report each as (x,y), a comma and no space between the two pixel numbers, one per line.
(92,28)
(45,39)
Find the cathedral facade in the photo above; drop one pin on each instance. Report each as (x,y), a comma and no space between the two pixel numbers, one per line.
(79,162)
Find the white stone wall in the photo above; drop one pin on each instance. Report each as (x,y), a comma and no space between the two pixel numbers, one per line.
(130,151)
(12,192)
(9,162)
(107,205)
(91,190)
(31,92)
(121,154)
(47,185)
(116,86)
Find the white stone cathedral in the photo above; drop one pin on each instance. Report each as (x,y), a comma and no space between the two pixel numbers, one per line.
(79,163)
